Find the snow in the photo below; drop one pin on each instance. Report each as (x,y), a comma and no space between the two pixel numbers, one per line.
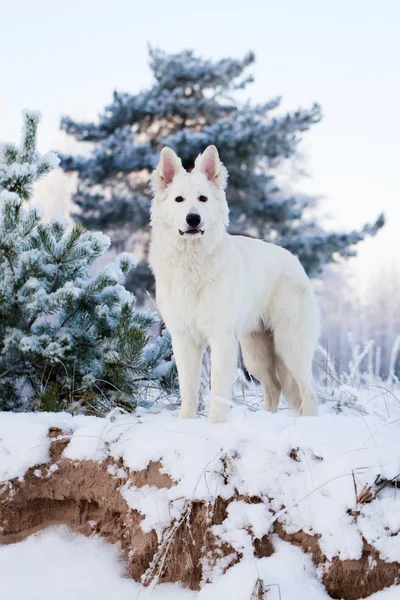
(305,469)
(378,518)
(57,563)
(24,442)
(241,516)
(35,115)
(315,484)
(126,261)
(51,159)
(6,195)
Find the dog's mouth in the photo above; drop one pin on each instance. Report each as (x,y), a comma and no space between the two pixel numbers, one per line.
(191,231)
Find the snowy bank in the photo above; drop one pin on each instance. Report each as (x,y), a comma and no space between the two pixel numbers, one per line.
(196,503)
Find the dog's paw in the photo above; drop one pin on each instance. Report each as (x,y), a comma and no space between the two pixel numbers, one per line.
(309,411)
(218,414)
(219,409)
(187,413)
(216,417)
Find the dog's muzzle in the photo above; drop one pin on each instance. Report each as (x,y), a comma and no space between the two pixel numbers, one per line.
(193,221)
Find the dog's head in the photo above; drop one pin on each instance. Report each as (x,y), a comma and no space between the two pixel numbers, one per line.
(191,206)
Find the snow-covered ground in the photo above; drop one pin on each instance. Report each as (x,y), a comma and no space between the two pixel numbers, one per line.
(311,473)
(59,565)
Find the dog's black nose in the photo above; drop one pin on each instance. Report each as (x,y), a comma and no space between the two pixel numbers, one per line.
(193,219)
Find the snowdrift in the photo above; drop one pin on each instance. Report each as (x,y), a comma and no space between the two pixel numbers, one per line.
(189,502)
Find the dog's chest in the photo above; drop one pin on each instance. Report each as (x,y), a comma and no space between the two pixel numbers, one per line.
(186,298)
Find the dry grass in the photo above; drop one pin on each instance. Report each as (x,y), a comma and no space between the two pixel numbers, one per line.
(368,493)
(259,591)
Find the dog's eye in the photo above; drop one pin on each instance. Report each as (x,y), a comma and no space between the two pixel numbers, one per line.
(179,199)
(203,198)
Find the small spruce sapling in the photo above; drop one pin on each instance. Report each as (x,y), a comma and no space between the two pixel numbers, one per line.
(68,338)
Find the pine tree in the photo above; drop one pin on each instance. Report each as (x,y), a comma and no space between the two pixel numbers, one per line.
(191,105)
(66,337)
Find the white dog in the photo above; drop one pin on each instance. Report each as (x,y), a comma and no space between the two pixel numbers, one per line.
(217,289)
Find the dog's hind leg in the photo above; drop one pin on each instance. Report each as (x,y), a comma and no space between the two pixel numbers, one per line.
(295,321)
(298,388)
(289,386)
(259,357)
(294,368)
(188,357)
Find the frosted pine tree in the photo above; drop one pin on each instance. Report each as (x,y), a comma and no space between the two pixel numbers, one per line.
(190,105)
(67,338)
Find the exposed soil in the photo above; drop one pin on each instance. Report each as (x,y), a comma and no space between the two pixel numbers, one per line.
(348,579)
(86,496)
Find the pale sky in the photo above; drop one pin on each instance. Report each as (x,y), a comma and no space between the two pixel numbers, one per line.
(66,58)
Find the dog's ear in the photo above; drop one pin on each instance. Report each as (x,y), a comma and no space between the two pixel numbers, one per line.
(210,164)
(168,167)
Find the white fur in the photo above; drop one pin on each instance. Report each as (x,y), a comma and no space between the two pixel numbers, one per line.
(216,289)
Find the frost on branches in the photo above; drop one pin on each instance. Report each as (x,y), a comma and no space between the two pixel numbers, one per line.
(190,105)
(67,338)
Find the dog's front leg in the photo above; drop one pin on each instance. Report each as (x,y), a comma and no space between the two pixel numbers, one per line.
(188,356)
(223,371)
